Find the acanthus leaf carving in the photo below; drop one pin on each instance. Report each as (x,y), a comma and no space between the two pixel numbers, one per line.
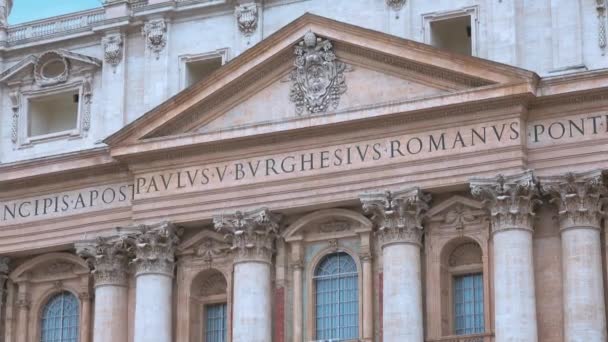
(252,234)
(15,97)
(109,258)
(210,249)
(459,216)
(398,215)
(318,79)
(247,18)
(154,247)
(113,49)
(155,33)
(87,95)
(578,196)
(511,199)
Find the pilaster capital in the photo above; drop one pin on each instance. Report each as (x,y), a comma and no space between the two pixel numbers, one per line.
(398,214)
(510,199)
(578,197)
(252,233)
(109,259)
(154,247)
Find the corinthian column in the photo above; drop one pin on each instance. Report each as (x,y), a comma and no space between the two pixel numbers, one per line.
(399,218)
(579,203)
(109,259)
(154,267)
(253,234)
(511,200)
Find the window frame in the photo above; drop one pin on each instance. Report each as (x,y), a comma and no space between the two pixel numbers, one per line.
(471,11)
(456,271)
(453,277)
(42,306)
(311,319)
(213,300)
(25,140)
(224,54)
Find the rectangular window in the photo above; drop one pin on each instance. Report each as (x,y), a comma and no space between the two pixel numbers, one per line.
(468,304)
(53,113)
(453,34)
(215,322)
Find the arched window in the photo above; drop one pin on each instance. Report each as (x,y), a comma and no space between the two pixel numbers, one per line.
(336,298)
(60,319)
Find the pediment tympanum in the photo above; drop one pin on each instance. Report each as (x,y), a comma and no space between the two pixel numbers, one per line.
(315,72)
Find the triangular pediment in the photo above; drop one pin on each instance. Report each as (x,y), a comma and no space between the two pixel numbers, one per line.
(206,244)
(63,63)
(341,73)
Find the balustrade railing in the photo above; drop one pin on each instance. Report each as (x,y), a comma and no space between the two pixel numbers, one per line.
(56,25)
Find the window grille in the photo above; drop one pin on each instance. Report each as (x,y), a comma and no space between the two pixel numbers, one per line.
(468,304)
(215,325)
(60,319)
(336,298)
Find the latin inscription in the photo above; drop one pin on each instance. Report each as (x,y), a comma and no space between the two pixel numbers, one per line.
(306,162)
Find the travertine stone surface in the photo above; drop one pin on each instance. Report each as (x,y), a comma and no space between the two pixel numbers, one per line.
(579,199)
(511,201)
(253,234)
(399,218)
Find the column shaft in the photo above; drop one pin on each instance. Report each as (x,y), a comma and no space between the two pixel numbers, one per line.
(514,296)
(584,308)
(111,315)
(252,303)
(153,308)
(297,304)
(402,294)
(368,309)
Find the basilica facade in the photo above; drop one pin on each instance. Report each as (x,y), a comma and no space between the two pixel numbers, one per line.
(305,170)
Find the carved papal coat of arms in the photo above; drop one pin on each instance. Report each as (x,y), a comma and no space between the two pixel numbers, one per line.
(318,78)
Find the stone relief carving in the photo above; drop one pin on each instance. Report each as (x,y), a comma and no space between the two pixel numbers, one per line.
(15,97)
(155,33)
(113,49)
(154,248)
(601,20)
(318,79)
(215,284)
(247,18)
(395,4)
(210,249)
(466,254)
(459,216)
(579,198)
(510,199)
(398,214)
(252,234)
(109,258)
(51,68)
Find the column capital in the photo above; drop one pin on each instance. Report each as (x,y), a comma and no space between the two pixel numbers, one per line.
(578,197)
(398,214)
(108,257)
(510,199)
(252,233)
(154,247)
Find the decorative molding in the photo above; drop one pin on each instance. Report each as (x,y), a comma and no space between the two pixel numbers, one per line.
(247,18)
(510,199)
(396,5)
(215,284)
(155,33)
(578,196)
(466,254)
(155,249)
(15,97)
(459,216)
(334,227)
(210,249)
(87,94)
(601,21)
(252,233)
(40,69)
(398,215)
(113,49)
(318,78)
(109,258)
